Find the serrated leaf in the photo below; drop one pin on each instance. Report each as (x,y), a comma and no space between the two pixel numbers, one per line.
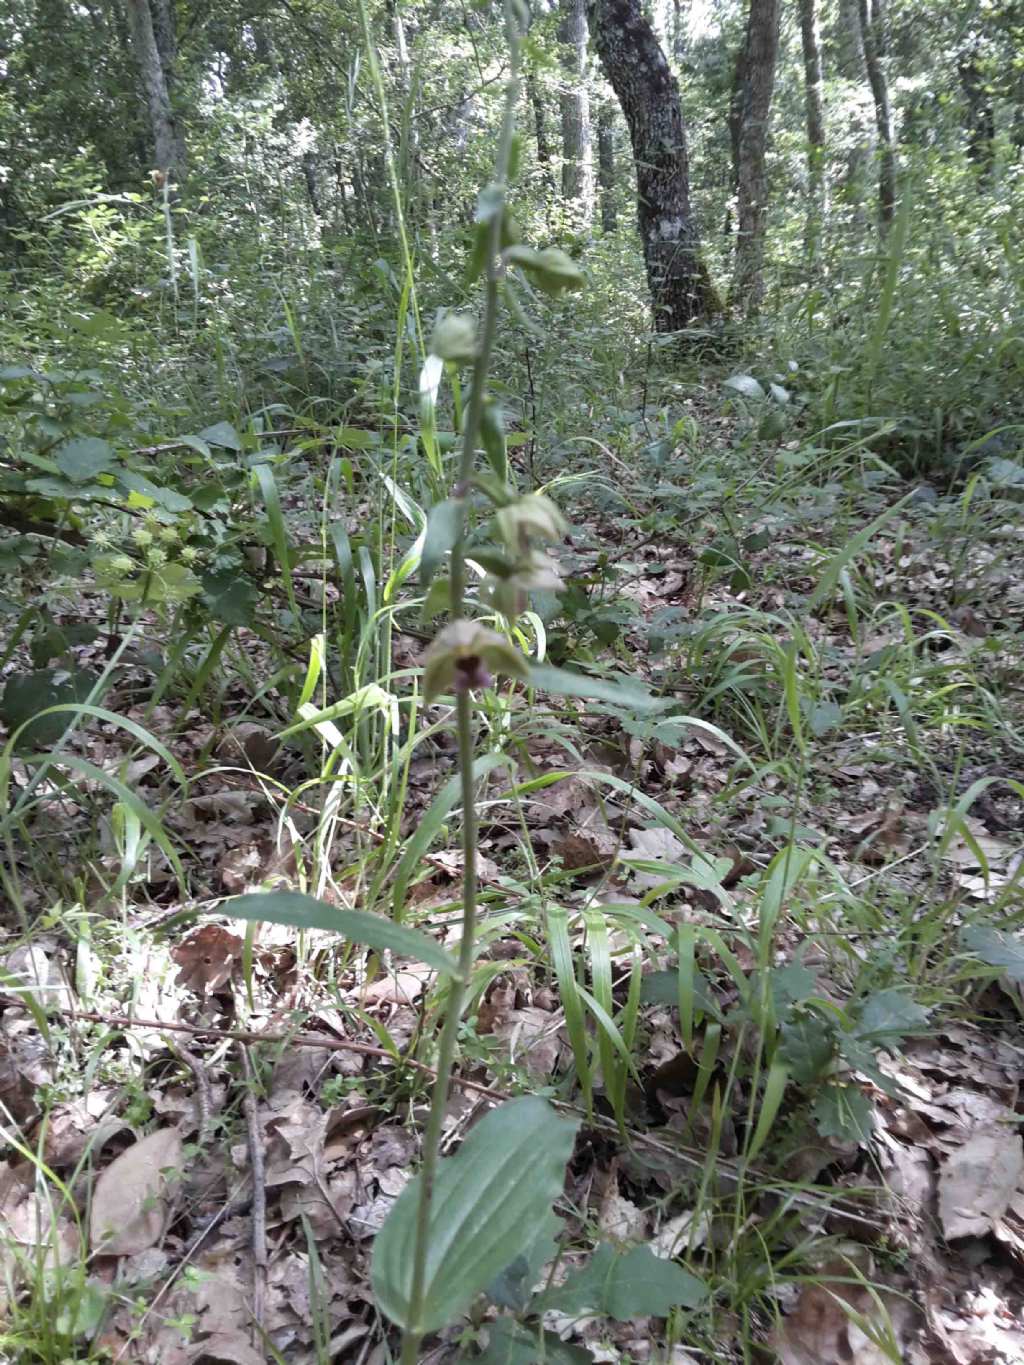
(627,1285)
(230,597)
(357,926)
(842,1111)
(806,1048)
(83,457)
(745,384)
(889,1016)
(444,521)
(489,1200)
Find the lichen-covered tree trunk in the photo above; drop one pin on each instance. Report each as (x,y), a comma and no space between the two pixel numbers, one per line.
(577,151)
(632,59)
(167,147)
(873,34)
(606,165)
(814,107)
(752,180)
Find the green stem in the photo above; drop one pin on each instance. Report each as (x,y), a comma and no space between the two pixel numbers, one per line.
(464,730)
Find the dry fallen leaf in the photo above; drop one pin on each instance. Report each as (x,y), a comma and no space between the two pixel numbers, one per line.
(819,1331)
(207,958)
(978,1181)
(130,1208)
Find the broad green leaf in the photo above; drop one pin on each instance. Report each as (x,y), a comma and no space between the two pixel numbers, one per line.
(221,434)
(662,988)
(489,1200)
(627,1285)
(842,1111)
(624,692)
(82,458)
(25,695)
(169,583)
(230,597)
(889,1016)
(513,1287)
(357,926)
(510,1343)
(168,498)
(355,438)
(806,1048)
(823,717)
(745,384)
(492,434)
(551,269)
(996,949)
(443,524)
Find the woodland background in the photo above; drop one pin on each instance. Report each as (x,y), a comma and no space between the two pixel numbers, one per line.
(749,817)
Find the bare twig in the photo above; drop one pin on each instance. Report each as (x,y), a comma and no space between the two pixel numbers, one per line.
(204,1095)
(250,1108)
(692,1157)
(285,1039)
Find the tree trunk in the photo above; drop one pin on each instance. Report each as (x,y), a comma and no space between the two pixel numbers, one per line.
(981,123)
(752,186)
(735,122)
(540,128)
(577,158)
(815,113)
(678,280)
(853,68)
(166,143)
(606,165)
(873,33)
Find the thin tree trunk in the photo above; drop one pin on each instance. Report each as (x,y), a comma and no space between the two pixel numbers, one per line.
(735,122)
(577,156)
(540,129)
(815,112)
(873,33)
(981,123)
(166,143)
(312,189)
(679,29)
(752,188)
(678,280)
(606,165)
(853,68)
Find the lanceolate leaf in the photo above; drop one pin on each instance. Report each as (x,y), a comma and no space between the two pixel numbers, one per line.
(488,1202)
(306,912)
(621,692)
(443,524)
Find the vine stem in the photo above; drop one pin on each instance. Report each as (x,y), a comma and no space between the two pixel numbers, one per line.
(413,1334)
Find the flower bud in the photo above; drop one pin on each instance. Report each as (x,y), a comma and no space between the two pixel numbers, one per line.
(454,337)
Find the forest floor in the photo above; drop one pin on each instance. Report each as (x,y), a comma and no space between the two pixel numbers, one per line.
(830,817)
